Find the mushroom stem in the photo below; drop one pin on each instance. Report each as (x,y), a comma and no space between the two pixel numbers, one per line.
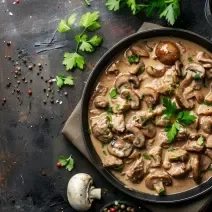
(95,193)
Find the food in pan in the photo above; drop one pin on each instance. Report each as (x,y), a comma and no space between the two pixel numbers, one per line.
(150,116)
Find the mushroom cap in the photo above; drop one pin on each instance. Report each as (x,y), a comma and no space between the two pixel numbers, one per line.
(167,52)
(133,98)
(126,80)
(78,192)
(120,148)
(153,72)
(194,68)
(100,102)
(156,177)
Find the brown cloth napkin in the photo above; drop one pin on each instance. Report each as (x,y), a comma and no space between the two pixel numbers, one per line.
(72,131)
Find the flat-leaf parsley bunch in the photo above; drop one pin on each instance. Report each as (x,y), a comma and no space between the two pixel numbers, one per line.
(168,9)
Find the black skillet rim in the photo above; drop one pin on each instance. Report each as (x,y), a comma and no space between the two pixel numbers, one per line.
(102,63)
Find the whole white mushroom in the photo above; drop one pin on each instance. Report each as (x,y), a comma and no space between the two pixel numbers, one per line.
(81,192)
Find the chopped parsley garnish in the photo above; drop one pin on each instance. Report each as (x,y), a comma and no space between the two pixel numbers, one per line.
(161,191)
(178,118)
(106,132)
(104,152)
(146,156)
(128,97)
(151,110)
(133,59)
(171,149)
(118,168)
(134,118)
(197,77)
(141,70)
(109,109)
(190,59)
(89,131)
(117,107)
(200,141)
(103,145)
(113,93)
(207,103)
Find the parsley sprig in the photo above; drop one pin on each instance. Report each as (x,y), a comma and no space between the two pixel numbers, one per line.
(68,163)
(88,22)
(169,9)
(62,80)
(177,117)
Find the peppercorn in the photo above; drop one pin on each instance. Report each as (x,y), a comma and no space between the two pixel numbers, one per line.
(30,92)
(17,90)
(59,165)
(44,101)
(30,67)
(66,94)
(9,43)
(4,100)
(52,101)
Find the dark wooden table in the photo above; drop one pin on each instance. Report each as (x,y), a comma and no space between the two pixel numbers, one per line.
(30,140)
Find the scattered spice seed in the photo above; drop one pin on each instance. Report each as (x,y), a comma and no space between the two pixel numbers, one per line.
(52,101)
(17,1)
(18,82)
(15,76)
(8,57)
(4,100)
(30,92)
(44,90)
(66,94)
(30,67)
(18,68)
(44,101)
(9,43)
(59,165)
(17,90)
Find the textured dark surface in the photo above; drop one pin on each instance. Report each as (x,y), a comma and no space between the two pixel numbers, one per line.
(29,144)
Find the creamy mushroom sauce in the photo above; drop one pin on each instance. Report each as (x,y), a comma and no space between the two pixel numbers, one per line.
(186,160)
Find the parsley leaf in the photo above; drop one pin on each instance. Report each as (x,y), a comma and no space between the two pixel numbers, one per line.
(72,19)
(186,118)
(109,109)
(171,149)
(63,26)
(172,131)
(113,93)
(133,6)
(133,59)
(95,40)
(200,140)
(171,107)
(62,80)
(68,163)
(113,4)
(85,46)
(73,60)
(171,12)
(90,21)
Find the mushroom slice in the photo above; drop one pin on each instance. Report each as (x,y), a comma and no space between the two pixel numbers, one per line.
(179,93)
(132,97)
(193,146)
(205,163)
(204,110)
(135,172)
(112,161)
(206,124)
(119,148)
(117,123)
(195,68)
(167,52)
(157,180)
(181,47)
(150,96)
(100,102)
(177,154)
(208,97)
(178,67)
(139,50)
(208,142)
(208,152)
(153,72)
(113,69)
(134,68)
(155,153)
(204,58)
(149,130)
(139,140)
(99,126)
(195,165)
(125,81)
(100,90)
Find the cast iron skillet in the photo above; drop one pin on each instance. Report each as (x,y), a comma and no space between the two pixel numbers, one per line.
(101,65)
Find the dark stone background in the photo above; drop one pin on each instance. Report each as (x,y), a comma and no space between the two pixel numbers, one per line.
(30,141)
